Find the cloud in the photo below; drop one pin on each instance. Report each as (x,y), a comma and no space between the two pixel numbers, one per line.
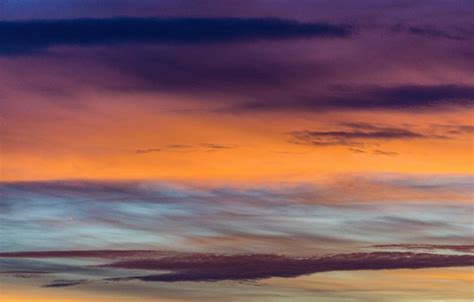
(391,225)
(255,77)
(411,96)
(453,33)
(213,267)
(23,273)
(145,151)
(355,150)
(387,153)
(81,191)
(330,215)
(187,148)
(453,130)
(209,267)
(401,97)
(82,254)
(432,32)
(179,146)
(31,36)
(334,189)
(357,134)
(218,146)
(66,283)
(289,75)
(431,247)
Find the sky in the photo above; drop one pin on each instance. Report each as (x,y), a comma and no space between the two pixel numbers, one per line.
(264,150)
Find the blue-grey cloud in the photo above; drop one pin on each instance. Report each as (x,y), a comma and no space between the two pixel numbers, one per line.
(320,217)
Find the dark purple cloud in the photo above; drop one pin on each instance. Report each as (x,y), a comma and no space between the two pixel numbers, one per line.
(413,96)
(219,267)
(452,33)
(30,36)
(286,75)
(450,247)
(255,77)
(66,283)
(209,267)
(361,98)
(83,254)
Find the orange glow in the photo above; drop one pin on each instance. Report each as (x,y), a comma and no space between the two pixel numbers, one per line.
(14,292)
(96,146)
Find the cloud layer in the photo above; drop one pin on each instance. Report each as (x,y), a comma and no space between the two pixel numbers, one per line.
(334,215)
(153,148)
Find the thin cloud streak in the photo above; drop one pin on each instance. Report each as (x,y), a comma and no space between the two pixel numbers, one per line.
(429,247)
(357,136)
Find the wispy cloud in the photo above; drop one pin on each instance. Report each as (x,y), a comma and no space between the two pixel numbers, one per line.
(145,151)
(433,32)
(387,153)
(332,215)
(218,146)
(66,283)
(357,137)
(187,148)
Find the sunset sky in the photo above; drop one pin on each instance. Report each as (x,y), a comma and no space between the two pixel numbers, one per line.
(238,150)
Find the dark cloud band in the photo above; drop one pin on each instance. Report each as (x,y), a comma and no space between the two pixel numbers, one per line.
(20,37)
(251,267)
(404,97)
(219,267)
